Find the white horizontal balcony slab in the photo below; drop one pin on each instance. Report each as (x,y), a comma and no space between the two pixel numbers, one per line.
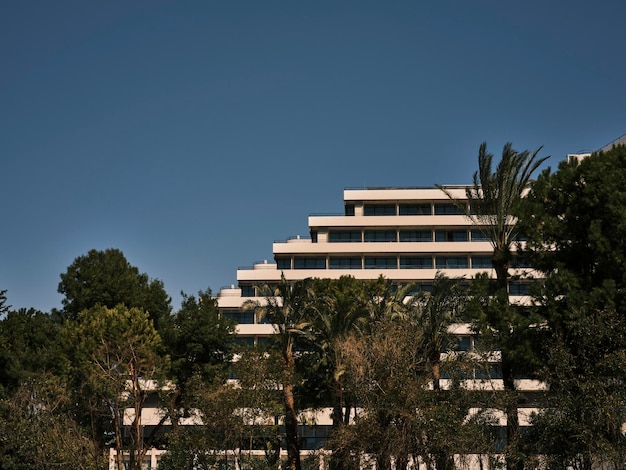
(531,385)
(405,248)
(258,276)
(382,221)
(403,194)
(231,302)
(402,275)
(255,330)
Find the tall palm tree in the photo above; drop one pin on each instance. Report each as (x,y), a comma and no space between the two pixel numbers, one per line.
(435,312)
(495,199)
(287,307)
(344,308)
(341,309)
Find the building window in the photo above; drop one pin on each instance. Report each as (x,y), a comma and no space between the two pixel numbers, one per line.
(464,343)
(519,288)
(415,209)
(488,371)
(451,262)
(379,209)
(343,236)
(244,318)
(479,236)
(447,208)
(313,437)
(416,262)
(450,235)
(381,262)
(421,287)
(520,262)
(380,236)
(314,236)
(244,340)
(248,291)
(481,262)
(309,263)
(416,236)
(349,209)
(345,262)
(283,263)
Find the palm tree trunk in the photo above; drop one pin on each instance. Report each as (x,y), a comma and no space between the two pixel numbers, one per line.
(513,459)
(500,264)
(291,417)
(436,371)
(291,429)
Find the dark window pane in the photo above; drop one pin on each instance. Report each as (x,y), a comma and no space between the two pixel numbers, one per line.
(351,262)
(478,236)
(309,263)
(416,262)
(247,291)
(451,262)
(246,318)
(464,343)
(380,262)
(283,263)
(519,262)
(244,340)
(450,235)
(379,209)
(416,236)
(380,236)
(349,209)
(519,288)
(415,209)
(446,208)
(341,236)
(481,262)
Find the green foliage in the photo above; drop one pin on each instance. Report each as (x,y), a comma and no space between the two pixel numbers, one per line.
(38,431)
(199,340)
(433,313)
(401,415)
(288,307)
(495,199)
(115,362)
(576,226)
(4,308)
(106,278)
(231,420)
(580,212)
(340,307)
(28,346)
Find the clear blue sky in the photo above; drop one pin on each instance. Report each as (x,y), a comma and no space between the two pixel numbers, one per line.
(191,135)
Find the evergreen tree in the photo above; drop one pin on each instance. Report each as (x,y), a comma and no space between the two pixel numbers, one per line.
(106,278)
(495,200)
(575,222)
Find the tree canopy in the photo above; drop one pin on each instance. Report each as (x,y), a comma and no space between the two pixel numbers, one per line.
(575,222)
(105,277)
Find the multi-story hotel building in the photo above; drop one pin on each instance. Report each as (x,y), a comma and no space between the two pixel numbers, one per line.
(406,235)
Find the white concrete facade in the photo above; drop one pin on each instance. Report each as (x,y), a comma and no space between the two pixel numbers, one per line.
(404,234)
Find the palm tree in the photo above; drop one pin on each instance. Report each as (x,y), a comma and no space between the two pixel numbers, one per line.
(435,312)
(495,199)
(287,307)
(340,310)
